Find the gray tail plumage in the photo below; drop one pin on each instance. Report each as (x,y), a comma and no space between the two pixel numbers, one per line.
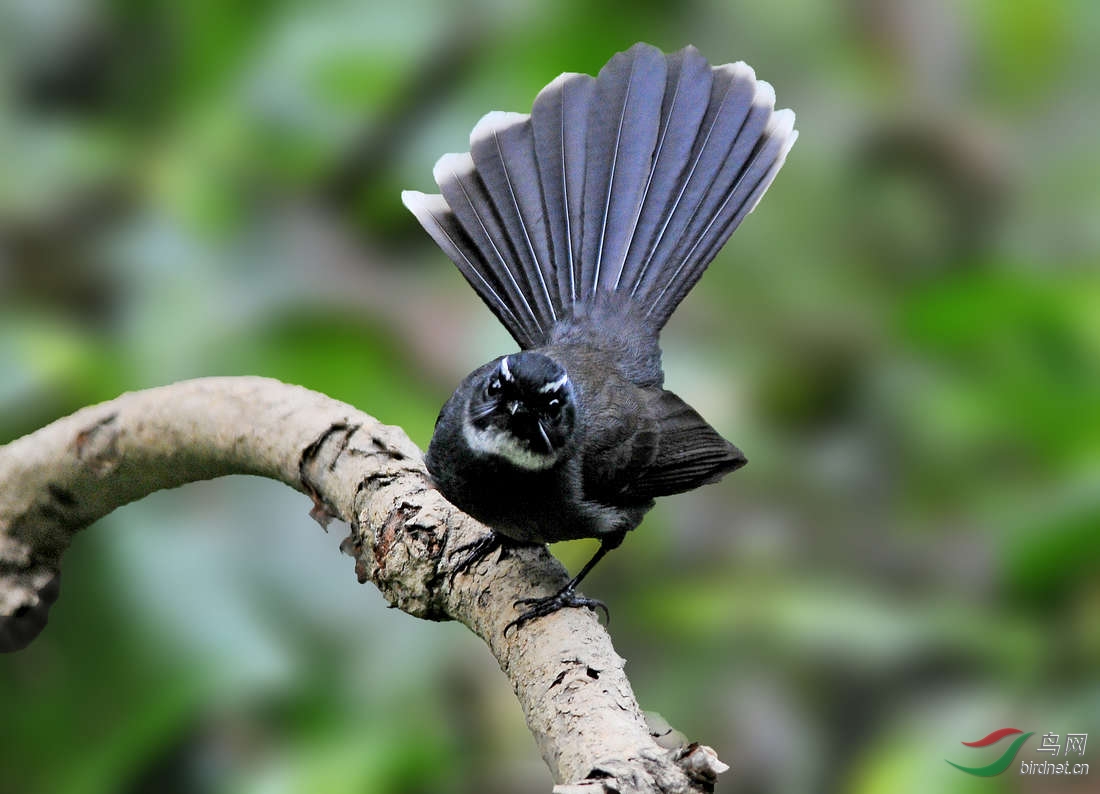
(627,183)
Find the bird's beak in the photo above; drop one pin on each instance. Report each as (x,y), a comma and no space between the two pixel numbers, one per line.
(545,438)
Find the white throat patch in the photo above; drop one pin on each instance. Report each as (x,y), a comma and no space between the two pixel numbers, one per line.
(505,445)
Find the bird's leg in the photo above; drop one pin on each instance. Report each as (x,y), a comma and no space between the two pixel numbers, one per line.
(567,596)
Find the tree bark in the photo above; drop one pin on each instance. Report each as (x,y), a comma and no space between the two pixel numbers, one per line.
(569,681)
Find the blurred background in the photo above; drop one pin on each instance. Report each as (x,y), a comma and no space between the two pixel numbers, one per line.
(904,338)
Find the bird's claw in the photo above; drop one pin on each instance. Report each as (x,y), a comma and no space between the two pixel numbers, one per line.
(566,597)
(475,552)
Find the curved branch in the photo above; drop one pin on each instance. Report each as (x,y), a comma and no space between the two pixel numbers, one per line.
(570,682)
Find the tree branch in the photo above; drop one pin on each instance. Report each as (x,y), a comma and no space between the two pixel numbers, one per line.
(570,682)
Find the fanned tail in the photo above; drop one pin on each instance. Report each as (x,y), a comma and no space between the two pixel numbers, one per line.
(626,184)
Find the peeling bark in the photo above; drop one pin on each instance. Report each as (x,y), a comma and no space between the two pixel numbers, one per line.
(569,681)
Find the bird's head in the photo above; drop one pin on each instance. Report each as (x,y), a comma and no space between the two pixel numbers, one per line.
(521,408)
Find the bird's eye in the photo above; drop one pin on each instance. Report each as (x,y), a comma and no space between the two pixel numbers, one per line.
(494,387)
(553,408)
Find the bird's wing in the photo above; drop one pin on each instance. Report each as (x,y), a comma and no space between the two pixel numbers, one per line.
(669,449)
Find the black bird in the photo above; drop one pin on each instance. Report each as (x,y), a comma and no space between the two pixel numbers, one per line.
(582,225)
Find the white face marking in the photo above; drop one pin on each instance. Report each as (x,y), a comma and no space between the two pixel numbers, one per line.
(496,442)
(553,387)
(504,371)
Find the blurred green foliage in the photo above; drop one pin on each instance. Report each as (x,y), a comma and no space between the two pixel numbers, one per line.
(905,339)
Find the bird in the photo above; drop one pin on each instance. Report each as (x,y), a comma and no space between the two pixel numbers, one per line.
(582,225)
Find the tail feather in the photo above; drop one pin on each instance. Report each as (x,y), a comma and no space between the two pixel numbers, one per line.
(687,95)
(622,134)
(502,146)
(628,184)
(435,214)
(560,120)
(726,183)
(764,163)
(469,199)
(731,100)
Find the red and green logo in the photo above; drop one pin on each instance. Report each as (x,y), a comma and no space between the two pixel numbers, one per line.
(1002,763)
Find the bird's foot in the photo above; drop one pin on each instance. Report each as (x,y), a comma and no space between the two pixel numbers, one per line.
(475,552)
(566,597)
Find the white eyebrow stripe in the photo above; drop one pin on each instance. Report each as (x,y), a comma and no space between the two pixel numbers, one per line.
(552,387)
(507,373)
